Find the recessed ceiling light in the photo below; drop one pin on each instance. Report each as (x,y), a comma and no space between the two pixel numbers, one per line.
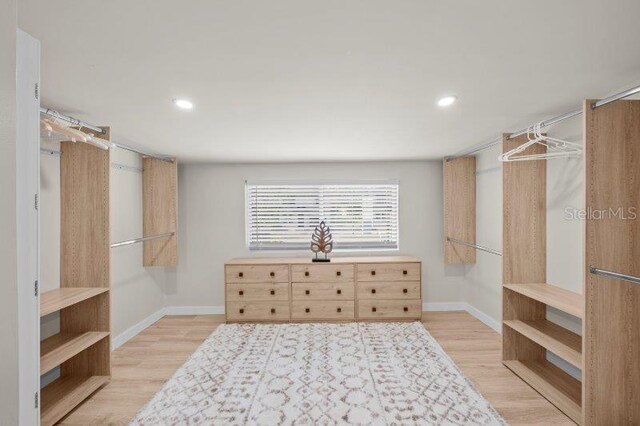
(183,103)
(447,101)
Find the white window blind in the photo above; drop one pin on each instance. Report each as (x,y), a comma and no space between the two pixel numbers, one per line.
(361,215)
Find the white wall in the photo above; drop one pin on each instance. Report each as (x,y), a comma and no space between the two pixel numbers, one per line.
(483,280)
(212,222)
(136,292)
(8,289)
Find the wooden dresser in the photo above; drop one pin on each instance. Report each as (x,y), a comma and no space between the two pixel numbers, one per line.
(346,289)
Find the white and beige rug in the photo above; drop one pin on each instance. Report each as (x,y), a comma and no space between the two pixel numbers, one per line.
(325,374)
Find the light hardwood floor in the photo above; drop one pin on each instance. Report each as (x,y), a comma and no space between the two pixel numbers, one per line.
(142,365)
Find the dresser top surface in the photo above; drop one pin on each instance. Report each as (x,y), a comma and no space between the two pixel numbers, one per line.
(308,261)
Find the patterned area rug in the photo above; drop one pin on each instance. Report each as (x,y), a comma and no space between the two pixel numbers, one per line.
(355,373)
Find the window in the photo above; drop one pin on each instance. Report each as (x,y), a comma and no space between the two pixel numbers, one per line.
(361,215)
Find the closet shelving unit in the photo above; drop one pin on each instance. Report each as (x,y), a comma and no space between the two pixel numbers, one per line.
(527,334)
(607,350)
(82,347)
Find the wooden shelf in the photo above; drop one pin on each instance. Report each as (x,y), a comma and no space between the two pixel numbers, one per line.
(58,348)
(550,336)
(559,298)
(60,298)
(558,387)
(64,394)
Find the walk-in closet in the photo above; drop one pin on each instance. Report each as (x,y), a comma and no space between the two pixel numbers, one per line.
(339,213)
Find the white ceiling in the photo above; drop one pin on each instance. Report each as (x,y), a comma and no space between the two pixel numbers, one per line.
(300,80)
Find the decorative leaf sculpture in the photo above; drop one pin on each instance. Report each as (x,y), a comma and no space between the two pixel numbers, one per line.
(321,240)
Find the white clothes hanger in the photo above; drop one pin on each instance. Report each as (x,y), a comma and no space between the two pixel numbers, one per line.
(98,142)
(555,148)
(52,126)
(46,127)
(73,134)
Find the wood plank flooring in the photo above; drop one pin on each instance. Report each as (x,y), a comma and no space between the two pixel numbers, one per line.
(141,366)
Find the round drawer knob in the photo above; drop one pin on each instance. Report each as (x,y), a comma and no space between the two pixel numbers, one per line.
(404,272)
(242,311)
(240,274)
(306,273)
(406,309)
(241,293)
(404,290)
(373,309)
(272,274)
(373,291)
(373,272)
(273,310)
(338,273)
(339,309)
(307,292)
(307,310)
(339,291)
(273,292)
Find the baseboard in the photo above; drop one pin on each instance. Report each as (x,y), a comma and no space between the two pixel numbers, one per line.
(136,329)
(194,310)
(462,306)
(444,306)
(133,331)
(486,319)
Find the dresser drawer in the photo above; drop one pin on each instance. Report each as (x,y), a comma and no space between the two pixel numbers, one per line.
(257,273)
(389,272)
(389,290)
(322,291)
(322,310)
(337,273)
(258,311)
(257,291)
(385,309)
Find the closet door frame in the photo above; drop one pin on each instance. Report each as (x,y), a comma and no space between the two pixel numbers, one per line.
(27,225)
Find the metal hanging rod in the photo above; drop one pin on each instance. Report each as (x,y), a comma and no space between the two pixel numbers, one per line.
(125,167)
(143,153)
(610,274)
(80,123)
(70,120)
(117,166)
(547,123)
(475,246)
(139,240)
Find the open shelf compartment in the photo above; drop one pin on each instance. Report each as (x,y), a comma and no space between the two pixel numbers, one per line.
(63,346)
(551,295)
(65,393)
(558,387)
(559,340)
(60,298)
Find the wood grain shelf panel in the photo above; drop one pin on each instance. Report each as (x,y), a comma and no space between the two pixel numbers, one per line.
(64,394)
(559,298)
(459,189)
(559,340)
(60,298)
(63,346)
(558,387)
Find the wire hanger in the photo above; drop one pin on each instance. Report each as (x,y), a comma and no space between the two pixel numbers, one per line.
(555,148)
